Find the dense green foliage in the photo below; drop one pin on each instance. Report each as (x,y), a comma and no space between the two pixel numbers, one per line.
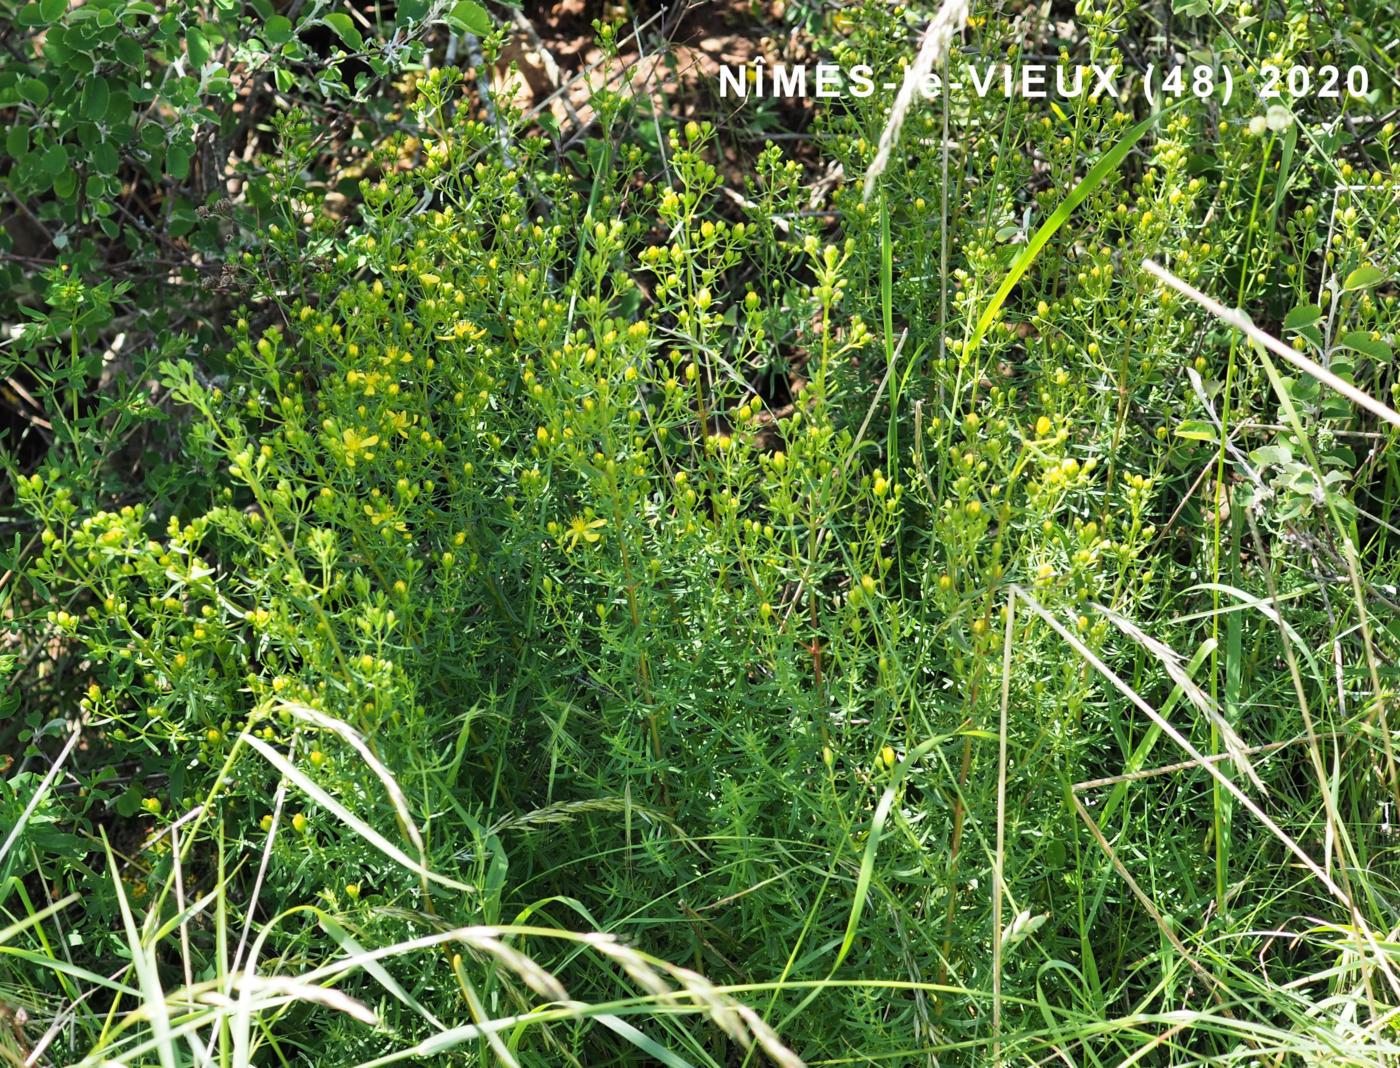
(551,573)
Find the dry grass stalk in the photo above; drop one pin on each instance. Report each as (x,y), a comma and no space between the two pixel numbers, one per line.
(951,18)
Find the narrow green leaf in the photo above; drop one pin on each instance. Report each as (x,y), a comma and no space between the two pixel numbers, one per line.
(1110,162)
(340,812)
(375,969)
(872,845)
(653,1049)
(154,1005)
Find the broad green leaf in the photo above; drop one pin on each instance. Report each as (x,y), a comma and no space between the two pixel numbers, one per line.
(54,161)
(467,16)
(177,161)
(1361,341)
(17,141)
(119,109)
(129,52)
(1301,316)
(52,10)
(1196,430)
(96,95)
(1275,455)
(278,30)
(1301,480)
(198,47)
(1363,277)
(34,90)
(345,30)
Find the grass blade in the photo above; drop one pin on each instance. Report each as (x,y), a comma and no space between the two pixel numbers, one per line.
(355,823)
(1111,161)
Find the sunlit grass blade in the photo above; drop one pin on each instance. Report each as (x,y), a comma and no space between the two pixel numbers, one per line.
(1098,174)
(314,791)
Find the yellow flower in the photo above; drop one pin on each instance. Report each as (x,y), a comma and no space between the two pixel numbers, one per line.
(355,443)
(583,529)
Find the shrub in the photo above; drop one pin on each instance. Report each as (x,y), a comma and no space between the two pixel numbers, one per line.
(557,564)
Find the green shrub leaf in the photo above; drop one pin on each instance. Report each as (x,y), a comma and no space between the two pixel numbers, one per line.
(1196,430)
(345,30)
(278,30)
(96,96)
(467,16)
(54,160)
(1302,316)
(35,90)
(1361,341)
(1363,277)
(198,47)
